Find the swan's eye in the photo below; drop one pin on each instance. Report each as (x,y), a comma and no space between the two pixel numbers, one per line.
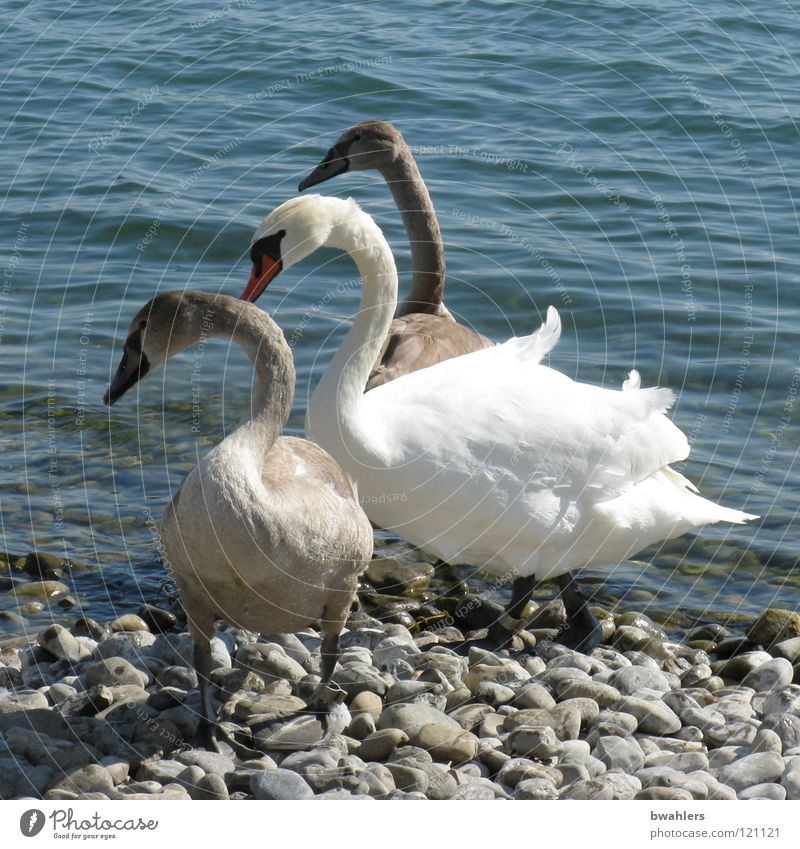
(143,324)
(357,137)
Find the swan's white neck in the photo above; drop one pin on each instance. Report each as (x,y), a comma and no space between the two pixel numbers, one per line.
(336,410)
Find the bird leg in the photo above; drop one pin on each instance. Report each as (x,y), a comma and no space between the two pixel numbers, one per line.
(502,630)
(207,730)
(582,631)
(327,693)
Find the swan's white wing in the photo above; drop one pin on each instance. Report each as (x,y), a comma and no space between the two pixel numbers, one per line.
(491,443)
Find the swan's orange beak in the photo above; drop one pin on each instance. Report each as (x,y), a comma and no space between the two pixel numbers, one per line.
(260,277)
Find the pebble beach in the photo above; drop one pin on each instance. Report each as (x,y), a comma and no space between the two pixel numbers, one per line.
(109,710)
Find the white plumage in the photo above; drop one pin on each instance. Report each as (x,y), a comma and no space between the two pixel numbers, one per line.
(491,458)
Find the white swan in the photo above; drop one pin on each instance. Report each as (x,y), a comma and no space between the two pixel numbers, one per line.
(423,331)
(492,458)
(265,531)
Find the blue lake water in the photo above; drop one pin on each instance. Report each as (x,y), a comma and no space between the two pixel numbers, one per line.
(634,165)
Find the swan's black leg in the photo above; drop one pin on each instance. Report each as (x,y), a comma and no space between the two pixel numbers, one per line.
(502,630)
(582,631)
(501,623)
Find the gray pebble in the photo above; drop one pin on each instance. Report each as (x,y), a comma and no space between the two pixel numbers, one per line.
(536,788)
(620,753)
(753,769)
(279,784)
(772,675)
(654,717)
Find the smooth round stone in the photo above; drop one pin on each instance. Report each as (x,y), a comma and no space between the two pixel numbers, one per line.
(681,761)
(130,645)
(129,622)
(790,649)
(41,590)
(593,789)
(408,778)
(114,671)
(732,734)
(772,675)
(774,626)
(357,678)
(620,753)
(696,675)
(392,649)
(291,735)
(26,700)
(623,786)
(566,722)
(516,770)
(536,788)
(157,619)
(764,791)
(379,745)
(616,718)
(361,726)
(267,707)
(279,784)
(177,676)
(270,661)
(632,679)
(366,702)
(654,717)
(786,700)
(472,793)
(447,744)
(790,780)
(534,742)
(664,794)
(62,644)
(470,716)
(86,779)
(759,768)
(411,717)
(786,726)
(84,626)
(210,788)
(59,693)
(603,695)
(767,740)
(741,665)
(533,696)
(493,693)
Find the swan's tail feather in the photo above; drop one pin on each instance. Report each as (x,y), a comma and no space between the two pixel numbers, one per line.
(535,347)
(705,511)
(633,382)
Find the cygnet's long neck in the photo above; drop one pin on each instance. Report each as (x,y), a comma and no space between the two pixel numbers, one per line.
(422,228)
(273,373)
(336,409)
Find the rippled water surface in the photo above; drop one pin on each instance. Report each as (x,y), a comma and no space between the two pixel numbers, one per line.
(635,165)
